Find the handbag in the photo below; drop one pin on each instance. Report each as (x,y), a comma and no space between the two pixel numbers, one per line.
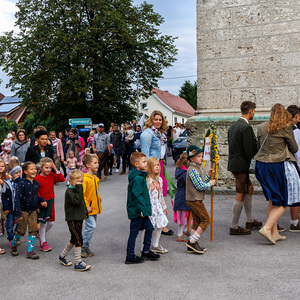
(252,166)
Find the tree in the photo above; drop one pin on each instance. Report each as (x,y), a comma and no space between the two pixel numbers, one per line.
(188,91)
(79,58)
(6,127)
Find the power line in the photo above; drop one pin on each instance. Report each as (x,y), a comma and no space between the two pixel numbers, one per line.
(179,77)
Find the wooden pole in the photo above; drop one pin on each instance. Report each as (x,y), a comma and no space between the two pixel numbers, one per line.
(212,206)
(189,221)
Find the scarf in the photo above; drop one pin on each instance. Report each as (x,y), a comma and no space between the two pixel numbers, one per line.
(160,135)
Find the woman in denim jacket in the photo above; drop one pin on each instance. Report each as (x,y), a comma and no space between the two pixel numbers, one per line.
(154,143)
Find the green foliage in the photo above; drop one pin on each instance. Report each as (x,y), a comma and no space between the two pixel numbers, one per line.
(79,58)
(6,127)
(188,91)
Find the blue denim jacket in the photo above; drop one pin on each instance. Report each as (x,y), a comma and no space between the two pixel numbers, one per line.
(150,143)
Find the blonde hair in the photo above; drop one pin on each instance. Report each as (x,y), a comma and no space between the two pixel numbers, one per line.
(13,162)
(151,162)
(76,173)
(88,157)
(44,161)
(149,122)
(71,151)
(280,118)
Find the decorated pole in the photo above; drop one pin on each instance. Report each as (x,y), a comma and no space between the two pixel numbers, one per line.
(211,153)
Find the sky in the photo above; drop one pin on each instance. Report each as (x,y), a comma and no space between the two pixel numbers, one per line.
(180,21)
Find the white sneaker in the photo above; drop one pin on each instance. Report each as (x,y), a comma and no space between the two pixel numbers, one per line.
(117,171)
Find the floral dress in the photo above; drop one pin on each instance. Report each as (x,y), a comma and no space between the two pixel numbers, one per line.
(158,218)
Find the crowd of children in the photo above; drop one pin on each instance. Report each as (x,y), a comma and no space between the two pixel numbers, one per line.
(28,202)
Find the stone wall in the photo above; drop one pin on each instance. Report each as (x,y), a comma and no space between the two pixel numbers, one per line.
(197,127)
(247,50)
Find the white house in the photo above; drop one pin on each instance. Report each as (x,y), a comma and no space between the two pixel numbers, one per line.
(174,108)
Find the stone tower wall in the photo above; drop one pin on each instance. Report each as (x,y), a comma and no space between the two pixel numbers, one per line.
(247,50)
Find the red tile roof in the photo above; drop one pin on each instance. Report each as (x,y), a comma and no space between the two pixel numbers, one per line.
(178,104)
(1,96)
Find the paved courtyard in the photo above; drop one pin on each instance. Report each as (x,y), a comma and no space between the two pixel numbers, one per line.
(233,267)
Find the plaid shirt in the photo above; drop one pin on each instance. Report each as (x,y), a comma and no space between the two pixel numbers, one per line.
(199,184)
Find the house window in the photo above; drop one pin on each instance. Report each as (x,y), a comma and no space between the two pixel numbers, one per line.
(175,119)
(144,106)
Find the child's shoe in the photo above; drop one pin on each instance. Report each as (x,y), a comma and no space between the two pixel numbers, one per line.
(13,250)
(65,261)
(182,238)
(44,247)
(81,266)
(195,247)
(188,250)
(86,252)
(159,249)
(32,255)
(150,255)
(134,260)
(2,251)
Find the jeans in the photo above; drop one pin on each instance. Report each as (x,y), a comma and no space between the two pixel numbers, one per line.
(118,158)
(137,224)
(90,226)
(10,220)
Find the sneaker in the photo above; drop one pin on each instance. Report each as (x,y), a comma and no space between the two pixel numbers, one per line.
(2,251)
(117,170)
(159,249)
(189,250)
(44,247)
(122,173)
(239,231)
(280,229)
(86,252)
(187,233)
(65,261)
(32,255)
(13,250)
(150,255)
(294,228)
(182,238)
(81,266)
(134,260)
(253,225)
(195,247)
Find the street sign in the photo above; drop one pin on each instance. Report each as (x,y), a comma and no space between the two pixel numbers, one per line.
(84,129)
(84,121)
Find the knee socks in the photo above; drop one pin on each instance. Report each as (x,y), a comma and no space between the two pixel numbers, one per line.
(180,229)
(44,228)
(67,250)
(42,232)
(15,239)
(195,237)
(77,255)
(156,236)
(31,240)
(49,225)
(248,207)
(237,210)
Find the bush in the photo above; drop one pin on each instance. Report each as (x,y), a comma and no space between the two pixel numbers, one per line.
(6,127)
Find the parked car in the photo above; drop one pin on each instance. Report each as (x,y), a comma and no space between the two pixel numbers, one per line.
(179,146)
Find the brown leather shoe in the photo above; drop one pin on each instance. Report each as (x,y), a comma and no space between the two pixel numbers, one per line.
(239,231)
(253,225)
(195,247)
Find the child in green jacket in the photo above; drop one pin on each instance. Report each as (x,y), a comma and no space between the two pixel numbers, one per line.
(76,212)
(139,210)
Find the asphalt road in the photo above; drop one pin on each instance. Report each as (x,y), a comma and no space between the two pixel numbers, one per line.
(233,267)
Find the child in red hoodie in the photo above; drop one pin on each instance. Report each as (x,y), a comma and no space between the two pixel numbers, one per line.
(46,180)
